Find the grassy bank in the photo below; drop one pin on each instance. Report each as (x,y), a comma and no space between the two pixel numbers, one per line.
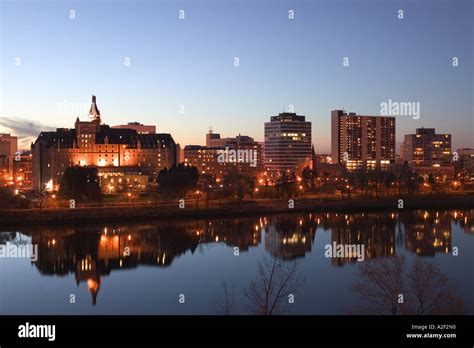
(91,214)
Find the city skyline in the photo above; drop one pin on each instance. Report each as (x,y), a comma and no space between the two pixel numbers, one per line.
(190,66)
(227,158)
(27,141)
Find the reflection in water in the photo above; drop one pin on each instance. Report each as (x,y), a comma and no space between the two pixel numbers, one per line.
(396,286)
(93,252)
(275,286)
(288,238)
(429,233)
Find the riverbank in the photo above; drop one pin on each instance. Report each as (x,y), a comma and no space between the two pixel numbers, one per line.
(93,214)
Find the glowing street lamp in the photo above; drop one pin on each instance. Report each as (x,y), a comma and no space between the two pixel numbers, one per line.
(49,185)
(197,198)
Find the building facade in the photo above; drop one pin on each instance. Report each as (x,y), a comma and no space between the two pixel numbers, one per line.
(465,162)
(359,141)
(140,128)
(204,159)
(8,153)
(220,154)
(428,153)
(115,151)
(287,142)
(426,148)
(22,170)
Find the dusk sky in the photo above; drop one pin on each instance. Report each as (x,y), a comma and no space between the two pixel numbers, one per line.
(190,62)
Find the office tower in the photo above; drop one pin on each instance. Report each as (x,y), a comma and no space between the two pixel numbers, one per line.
(287,142)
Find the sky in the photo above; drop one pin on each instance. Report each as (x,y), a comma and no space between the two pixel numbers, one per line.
(182,78)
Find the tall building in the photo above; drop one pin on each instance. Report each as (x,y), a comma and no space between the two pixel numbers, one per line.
(116,152)
(287,142)
(360,141)
(426,148)
(8,150)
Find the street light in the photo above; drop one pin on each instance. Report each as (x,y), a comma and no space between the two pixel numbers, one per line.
(197,199)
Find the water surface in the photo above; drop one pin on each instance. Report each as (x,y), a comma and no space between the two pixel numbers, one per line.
(143,268)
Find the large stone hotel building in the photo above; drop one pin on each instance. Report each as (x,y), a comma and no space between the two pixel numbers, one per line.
(122,155)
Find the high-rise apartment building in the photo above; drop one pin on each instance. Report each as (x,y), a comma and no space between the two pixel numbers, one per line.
(359,141)
(287,142)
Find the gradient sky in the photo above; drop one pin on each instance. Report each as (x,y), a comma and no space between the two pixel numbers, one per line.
(190,62)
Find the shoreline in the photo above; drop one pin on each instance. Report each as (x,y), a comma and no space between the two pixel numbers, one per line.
(87,214)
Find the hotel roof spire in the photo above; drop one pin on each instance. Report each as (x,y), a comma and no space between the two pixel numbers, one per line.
(94,112)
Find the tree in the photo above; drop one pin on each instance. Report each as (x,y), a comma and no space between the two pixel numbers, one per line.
(276,281)
(208,181)
(380,284)
(307,177)
(177,181)
(425,289)
(286,184)
(378,178)
(8,199)
(431,179)
(226,304)
(239,183)
(408,179)
(389,181)
(432,291)
(81,184)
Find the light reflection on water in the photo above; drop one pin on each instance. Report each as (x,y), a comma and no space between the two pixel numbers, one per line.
(143,268)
